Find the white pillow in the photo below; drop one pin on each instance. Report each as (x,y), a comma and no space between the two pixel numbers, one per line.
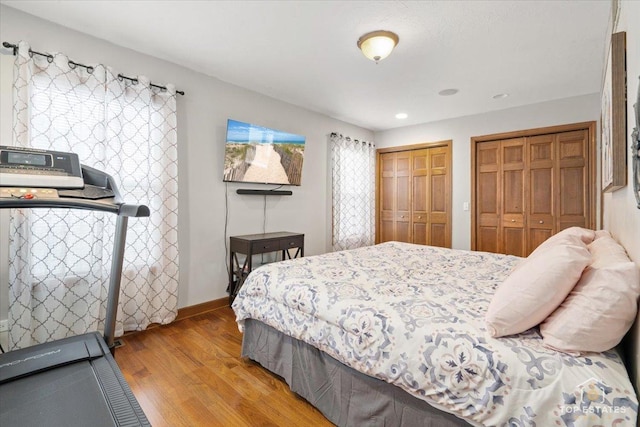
(601,308)
(585,234)
(537,286)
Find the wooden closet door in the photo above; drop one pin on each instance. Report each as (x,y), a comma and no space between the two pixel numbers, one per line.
(413,198)
(420,178)
(439,197)
(387,196)
(395,197)
(488,191)
(513,197)
(529,187)
(572,191)
(542,176)
(403,197)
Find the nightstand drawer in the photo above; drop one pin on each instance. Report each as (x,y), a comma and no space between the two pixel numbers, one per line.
(292,242)
(263,246)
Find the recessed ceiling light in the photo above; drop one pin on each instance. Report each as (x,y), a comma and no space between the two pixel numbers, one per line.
(448,92)
(500,96)
(402,116)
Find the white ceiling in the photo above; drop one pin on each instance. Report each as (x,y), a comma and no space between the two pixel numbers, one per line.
(304,52)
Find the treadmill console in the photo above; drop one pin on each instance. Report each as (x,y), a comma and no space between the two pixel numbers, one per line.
(29,167)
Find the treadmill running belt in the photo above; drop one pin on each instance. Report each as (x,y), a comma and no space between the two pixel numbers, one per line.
(35,400)
(73,382)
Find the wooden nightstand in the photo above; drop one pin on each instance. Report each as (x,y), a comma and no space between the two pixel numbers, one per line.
(254,244)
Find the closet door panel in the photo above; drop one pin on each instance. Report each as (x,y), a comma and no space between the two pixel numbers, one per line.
(387,227)
(403,197)
(439,235)
(403,231)
(387,196)
(438,160)
(573,192)
(513,168)
(420,232)
(513,241)
(572,201)
(541,206)
(420,196)
(535,236)
(488,190)
(420,192)
(487,238)
(403,182)
(438,212)
(513,197)
(439,197)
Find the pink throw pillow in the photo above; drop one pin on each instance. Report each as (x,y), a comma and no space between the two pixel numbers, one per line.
(601,308)
(602,233)
(537,286)
(586,235)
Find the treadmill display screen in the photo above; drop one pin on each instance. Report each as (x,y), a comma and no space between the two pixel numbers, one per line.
(29,167)
(26,159)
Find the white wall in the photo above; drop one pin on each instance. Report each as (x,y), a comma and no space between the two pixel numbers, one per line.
(5,136)
(460,130)
(202,116)
(620,215)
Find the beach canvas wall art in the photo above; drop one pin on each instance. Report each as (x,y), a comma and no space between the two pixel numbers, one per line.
(261,155)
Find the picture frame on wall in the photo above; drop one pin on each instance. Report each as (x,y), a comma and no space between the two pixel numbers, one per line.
(613,117)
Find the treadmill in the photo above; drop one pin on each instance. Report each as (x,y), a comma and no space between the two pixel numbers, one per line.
(73,381)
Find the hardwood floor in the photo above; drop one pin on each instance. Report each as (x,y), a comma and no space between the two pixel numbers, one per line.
(190,373)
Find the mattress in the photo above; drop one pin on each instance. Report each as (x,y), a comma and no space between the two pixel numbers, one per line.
(413,316)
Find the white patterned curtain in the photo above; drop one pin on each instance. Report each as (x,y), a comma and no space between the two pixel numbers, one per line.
(59,260)
(353,184)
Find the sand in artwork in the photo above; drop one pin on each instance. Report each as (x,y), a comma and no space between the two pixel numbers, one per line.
(266,166)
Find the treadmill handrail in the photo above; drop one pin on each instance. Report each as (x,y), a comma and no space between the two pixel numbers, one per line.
(104,205)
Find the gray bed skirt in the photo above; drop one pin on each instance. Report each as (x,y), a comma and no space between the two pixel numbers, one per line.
(345,396)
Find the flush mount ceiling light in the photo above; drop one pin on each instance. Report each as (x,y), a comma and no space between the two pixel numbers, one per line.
(500,96)
(401,116)
(377,45)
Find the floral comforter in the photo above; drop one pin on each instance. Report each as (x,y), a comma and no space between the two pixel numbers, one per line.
(414,316)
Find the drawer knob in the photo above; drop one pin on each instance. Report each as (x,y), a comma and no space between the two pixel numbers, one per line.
(541,222)
(513,220)
(292,243)
(401,216)
(419,216)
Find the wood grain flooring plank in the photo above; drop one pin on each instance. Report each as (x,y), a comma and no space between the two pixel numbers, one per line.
(190,373)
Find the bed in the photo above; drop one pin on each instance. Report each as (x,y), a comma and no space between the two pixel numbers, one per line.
(394,334)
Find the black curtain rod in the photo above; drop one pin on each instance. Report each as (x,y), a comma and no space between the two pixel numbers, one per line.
(348,138)
(135,82)
(72,64)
